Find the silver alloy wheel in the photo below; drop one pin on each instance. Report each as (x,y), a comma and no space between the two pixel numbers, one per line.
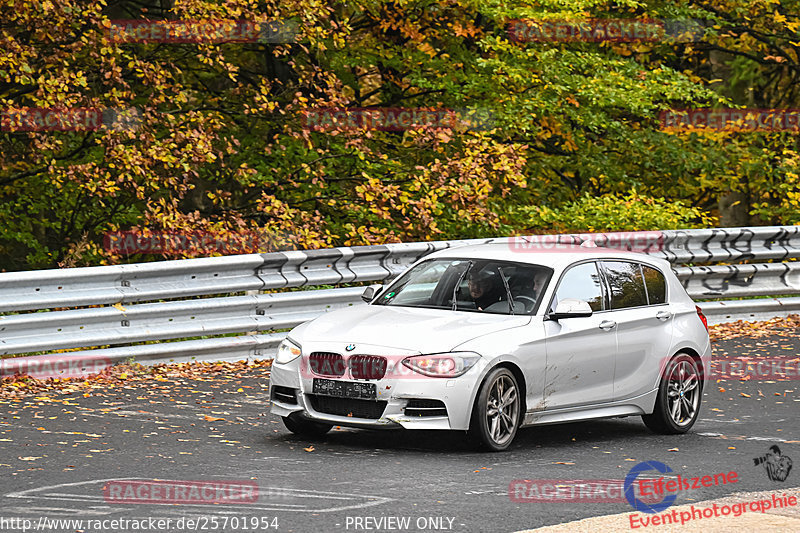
(502,410)
(683,393)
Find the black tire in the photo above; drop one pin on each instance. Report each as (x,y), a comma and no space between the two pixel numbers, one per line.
(304,427)
(677,386)
(493,429)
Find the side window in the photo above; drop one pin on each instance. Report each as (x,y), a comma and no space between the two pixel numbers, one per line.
(656,285)
(582,282)
(626,284)
(420,284)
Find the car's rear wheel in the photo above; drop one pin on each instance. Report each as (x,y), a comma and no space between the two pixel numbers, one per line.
(679,395)
(496,413)
(304,427)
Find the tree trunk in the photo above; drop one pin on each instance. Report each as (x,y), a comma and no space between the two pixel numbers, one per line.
(734,209)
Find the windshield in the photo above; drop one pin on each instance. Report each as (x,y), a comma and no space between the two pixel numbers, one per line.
(478,285)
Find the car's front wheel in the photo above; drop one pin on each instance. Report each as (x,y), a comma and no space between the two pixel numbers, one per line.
(679,395)
(496,414)
(304,427)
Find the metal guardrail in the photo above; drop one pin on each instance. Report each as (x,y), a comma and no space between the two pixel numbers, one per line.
(105,310)
(77,287)
(734,281)
(761,309)
(58,330)
(728,245)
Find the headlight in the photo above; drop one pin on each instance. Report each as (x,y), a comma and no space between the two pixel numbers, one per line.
(442,365)
(287,351)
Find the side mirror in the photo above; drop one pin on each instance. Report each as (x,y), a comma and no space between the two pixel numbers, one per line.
(370,292)
(570,308)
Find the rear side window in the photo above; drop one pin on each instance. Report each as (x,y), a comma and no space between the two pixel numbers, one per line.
(626,284)
(581,282)
(656,285)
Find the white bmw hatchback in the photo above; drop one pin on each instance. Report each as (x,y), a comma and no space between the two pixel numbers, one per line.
(486,339)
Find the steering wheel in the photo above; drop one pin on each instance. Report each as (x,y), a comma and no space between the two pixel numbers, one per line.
(529,302)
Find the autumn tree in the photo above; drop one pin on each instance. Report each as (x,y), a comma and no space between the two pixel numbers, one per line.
(213,136)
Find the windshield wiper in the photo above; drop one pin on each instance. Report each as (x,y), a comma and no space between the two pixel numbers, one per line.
(508,291)
(458,284)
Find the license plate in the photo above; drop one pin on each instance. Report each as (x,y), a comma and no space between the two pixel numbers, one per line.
(344,389)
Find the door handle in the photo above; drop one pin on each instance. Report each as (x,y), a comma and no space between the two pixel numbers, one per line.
(608,325)
(663,315)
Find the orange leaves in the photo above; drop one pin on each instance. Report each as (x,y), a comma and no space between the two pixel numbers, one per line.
(742,328)
(465,30)
(25,386)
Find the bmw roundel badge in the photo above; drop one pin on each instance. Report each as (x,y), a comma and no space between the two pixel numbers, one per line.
(350,347)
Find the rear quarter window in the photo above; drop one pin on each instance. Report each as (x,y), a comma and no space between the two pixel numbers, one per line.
(656,285)
(626,284)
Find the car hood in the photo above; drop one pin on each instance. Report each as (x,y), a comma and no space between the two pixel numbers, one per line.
(404,328)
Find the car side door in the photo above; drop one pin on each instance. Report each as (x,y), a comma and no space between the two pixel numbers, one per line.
(581,351)
(644,325)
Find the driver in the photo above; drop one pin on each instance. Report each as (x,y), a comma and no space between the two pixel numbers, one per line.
(485,288)
(539,284)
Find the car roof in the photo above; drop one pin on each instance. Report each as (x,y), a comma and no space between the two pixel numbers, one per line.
(554,258)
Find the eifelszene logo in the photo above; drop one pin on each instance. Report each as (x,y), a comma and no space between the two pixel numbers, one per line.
(637,503)
(668,488)
(777,466)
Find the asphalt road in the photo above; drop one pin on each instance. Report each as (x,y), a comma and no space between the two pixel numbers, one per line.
(58,451)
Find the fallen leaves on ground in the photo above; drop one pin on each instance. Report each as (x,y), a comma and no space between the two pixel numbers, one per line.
(127,374)
(775,326)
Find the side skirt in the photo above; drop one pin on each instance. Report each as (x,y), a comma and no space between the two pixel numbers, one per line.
(640,405)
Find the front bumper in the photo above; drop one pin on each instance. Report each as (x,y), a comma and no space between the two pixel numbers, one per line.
(410,400)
